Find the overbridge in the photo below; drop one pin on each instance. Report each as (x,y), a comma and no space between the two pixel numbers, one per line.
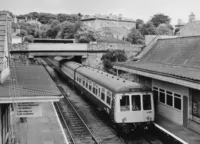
(58,49)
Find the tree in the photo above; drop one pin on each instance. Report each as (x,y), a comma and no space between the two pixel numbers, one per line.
(135,37)
(85,35)
(148,29)
(139,23)
(160,19)
(29,38)
(66,30)
(65,17)
(163,29)
(113,56)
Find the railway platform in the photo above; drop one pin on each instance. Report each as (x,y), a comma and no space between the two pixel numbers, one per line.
(46,129)
(183,135)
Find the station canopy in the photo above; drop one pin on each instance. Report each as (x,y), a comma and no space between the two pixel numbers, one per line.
(29,83)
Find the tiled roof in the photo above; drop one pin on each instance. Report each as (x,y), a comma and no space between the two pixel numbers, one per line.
(118,30)
(178,57)
(29,82)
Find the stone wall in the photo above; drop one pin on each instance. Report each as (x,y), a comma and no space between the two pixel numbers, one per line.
(94,59)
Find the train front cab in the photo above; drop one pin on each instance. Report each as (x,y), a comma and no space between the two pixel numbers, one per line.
(134,108)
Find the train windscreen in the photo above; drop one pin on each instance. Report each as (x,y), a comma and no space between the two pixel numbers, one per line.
(124,103)
(147,102)
(136,102)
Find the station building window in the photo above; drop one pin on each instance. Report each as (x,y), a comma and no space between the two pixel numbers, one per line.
(103,94)
(169,98)
(196,103)
(124,103)
(177,101)
(155,93)
(136,102)
(162,96)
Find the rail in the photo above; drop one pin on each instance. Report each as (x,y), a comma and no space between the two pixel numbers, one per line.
(74,109)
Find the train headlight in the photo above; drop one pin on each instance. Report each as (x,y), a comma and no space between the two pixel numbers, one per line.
(124,119)
(148,118)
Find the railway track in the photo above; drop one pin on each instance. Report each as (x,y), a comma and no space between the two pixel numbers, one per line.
(91,128)
(78,130)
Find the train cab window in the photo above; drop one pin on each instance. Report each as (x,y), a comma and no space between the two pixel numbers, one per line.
(124,103)
(103,94)
(162,96)
(136,102)
(90,85)
(147,102)
(108,99)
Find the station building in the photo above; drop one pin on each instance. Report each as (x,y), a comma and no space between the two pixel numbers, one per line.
(19,84)
(172,69)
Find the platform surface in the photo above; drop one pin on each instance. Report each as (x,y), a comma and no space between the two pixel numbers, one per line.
(183,133)
(39,130)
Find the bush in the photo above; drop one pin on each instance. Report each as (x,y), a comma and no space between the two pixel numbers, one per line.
(29,38)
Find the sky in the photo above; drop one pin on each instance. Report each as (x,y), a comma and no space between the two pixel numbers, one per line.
(142,9)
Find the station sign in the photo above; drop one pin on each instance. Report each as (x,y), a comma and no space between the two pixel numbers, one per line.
(28,109)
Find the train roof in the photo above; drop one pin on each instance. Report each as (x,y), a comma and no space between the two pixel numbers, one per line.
(109,81)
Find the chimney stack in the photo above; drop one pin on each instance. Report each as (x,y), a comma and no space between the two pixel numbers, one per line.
(191,17)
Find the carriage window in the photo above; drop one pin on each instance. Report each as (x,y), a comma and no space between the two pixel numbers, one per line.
(103,94)
(162,95)
(124,103)
(94,88)
(90,85)
(80,79)
(147,102)
(99,91)
(136,103)
(76,77)
(83,81)
(86,83)
(108,100)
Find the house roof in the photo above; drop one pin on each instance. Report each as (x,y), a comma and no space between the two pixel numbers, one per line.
(29,83)
(109,19)
(178,58)
(118,30)
(190,29)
